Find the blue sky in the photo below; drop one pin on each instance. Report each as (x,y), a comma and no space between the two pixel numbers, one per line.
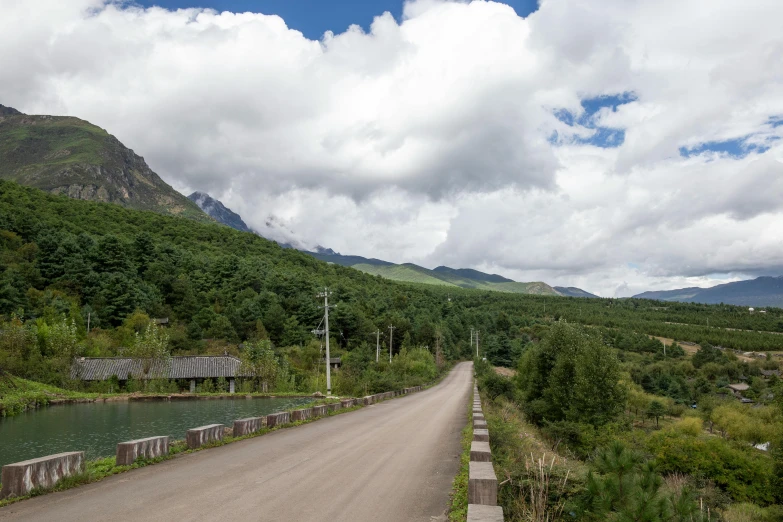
(314,17)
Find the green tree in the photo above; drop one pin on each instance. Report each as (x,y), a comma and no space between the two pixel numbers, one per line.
(622,486)
(152,347)
(656,409)
(259,363)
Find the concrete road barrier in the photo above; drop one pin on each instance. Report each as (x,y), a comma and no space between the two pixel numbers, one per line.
(45,472)
(149,448)
(300,415)
(479,513)
(480,452)
(247,426)
(368,400)
(482,484)
(320,411)
(479,424)
(478,416)
(197,437)
(277,419)
(347,403)
(481,435)
(335,406)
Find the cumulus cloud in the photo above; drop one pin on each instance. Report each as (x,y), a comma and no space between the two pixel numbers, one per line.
(430,139)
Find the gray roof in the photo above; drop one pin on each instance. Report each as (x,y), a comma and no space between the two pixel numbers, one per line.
(181,367)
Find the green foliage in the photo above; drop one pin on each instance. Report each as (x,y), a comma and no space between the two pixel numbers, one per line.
(623,486)
(571,375)
(740,470)
(259,363)
(497,386)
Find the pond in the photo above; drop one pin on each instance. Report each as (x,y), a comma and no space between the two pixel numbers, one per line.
(96,428)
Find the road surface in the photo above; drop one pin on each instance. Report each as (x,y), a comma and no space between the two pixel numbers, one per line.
(393,461)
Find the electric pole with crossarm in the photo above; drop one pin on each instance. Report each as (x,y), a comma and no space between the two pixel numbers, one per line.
(325,294)
(391,336)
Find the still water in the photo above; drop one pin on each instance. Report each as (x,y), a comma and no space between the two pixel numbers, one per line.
(96,428)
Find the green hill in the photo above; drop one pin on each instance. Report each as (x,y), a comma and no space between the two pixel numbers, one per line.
(65,155)
(445,276)
(407,272)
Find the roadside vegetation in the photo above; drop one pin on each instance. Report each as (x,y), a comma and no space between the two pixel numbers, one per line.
(598,424)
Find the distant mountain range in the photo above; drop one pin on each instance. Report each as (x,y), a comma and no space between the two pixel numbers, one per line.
(65,155)
(444,276)
(762,291)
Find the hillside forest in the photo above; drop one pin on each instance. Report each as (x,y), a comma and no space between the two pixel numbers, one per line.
(590,384)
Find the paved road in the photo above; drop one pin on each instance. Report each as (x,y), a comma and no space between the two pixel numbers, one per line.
(393,461)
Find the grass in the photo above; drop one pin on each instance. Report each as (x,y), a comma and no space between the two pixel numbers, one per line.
(18,395)
(458,511)
(534,481)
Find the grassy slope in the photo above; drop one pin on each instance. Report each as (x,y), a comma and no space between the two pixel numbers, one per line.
(18,395)
(407,273)
(416,274)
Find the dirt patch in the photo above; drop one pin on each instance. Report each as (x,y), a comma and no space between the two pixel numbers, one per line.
(505,372)
(692,348)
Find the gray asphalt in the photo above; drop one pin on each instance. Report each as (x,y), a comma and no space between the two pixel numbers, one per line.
(393,461)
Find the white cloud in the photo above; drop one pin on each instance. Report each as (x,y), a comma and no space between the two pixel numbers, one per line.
(427,140)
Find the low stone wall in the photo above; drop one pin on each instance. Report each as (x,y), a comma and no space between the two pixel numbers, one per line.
(480,513)
(45,472)
(300,415)
(480,452)
(481,435)
(277,419)
(247,426)
(368,400)
(320,411)
(482,484)
(197,437)
(149,448)
(482,481)
(335,406)
(347,403)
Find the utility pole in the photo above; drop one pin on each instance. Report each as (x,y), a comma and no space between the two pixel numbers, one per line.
(88,321)
(325,294)
(377,345)
(391,336)
(471,337)
(477,343)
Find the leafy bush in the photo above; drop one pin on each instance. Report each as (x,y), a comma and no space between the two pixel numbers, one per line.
(741,471)
(497,386)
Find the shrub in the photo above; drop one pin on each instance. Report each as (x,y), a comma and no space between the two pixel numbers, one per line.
(497,386)
(691,426)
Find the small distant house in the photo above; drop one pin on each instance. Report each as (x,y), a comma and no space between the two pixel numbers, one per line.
(751,310)
(737,390)
(186,367)
(739,387)
(163,321)
(335,362)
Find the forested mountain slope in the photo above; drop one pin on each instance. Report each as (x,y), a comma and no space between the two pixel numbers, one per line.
(65,155)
